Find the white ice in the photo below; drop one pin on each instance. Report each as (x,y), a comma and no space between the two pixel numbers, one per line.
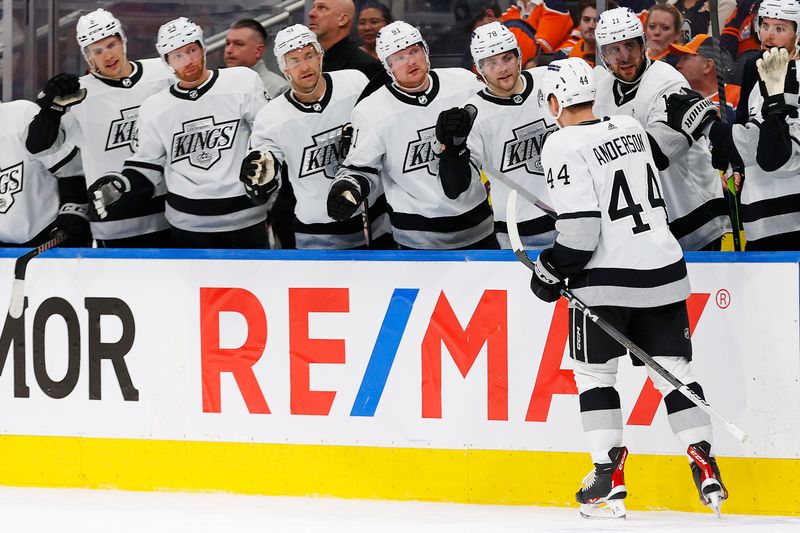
(87,511)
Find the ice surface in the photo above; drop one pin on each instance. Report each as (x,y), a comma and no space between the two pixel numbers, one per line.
(88,511)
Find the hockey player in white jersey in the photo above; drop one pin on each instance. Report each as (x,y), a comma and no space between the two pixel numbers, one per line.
(103,125)
(615,251)
(33,203)
(195,134)
(302,129)
(766,144)
(629,83)
(508,134)
(397,140)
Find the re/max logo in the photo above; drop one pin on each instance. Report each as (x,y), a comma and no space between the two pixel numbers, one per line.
(487,326)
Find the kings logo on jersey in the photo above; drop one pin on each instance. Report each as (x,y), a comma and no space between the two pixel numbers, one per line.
(122,131)
(323,155)
(525,149)
(10,184)
(202,141)
(420,152)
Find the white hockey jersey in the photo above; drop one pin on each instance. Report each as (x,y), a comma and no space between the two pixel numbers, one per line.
(29,198)
(395,142)
(198,138)
(507,138)
(613,239)
(307,138)
(692,188)
(770,200)
(103,126)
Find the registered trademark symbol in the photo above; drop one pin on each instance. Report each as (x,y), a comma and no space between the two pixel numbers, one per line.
(723,298)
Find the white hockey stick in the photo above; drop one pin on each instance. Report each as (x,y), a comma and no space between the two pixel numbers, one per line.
(17,303)
(519,251)
(514,186)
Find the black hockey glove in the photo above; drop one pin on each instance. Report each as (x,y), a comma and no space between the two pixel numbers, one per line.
(723,149)
(73,220)
(109,190)
(453,127)
(346,195)
(60,92)
(546,281)
(259,174)
(690,113)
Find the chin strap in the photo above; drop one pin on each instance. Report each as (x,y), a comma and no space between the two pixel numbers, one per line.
(428,79)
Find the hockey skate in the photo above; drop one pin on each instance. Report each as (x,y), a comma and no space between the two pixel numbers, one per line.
(603,491)
(706,476)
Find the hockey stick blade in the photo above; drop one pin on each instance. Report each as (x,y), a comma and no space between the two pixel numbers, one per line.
(519,252)
(17,302)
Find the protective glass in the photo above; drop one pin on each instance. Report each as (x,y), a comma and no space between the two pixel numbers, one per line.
(310,56)
(496,63)
(413,52)
(181,57)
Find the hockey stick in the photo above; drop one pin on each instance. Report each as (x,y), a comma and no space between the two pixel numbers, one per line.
(514,186)
(733,208)
(17,302)
(344,148)
(519,251)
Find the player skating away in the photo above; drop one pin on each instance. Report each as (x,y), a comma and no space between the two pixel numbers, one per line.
(765,145)
(32,201)
(630,84)
(395,141)
(507,136)
(615,250)
(194,133)
(103,125)
(302,129)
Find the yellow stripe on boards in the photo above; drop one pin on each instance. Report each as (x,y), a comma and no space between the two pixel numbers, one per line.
(757,486)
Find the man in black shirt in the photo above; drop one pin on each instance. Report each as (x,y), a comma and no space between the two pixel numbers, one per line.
(332,21)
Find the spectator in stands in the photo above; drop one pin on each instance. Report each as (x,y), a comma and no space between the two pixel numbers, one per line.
(696,63)
(739,37)
(663,27)
(697,15)
(372,17)
(584,46)
(540,27)
(244,47)
(332,21)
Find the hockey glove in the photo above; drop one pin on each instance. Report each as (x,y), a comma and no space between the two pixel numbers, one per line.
(73,220)
(345,196)
(107,191)
(259,174)
(690,113)
(453,127)
(778,83)
(61,92)
(546,281)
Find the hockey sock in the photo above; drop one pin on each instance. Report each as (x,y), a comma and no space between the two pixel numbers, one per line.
(688,422)
(601,418)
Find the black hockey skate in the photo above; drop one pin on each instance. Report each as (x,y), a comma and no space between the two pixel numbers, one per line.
(603,491)
(706,476)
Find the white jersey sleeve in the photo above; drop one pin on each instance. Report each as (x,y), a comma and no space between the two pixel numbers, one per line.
(367,151)
(150,153)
